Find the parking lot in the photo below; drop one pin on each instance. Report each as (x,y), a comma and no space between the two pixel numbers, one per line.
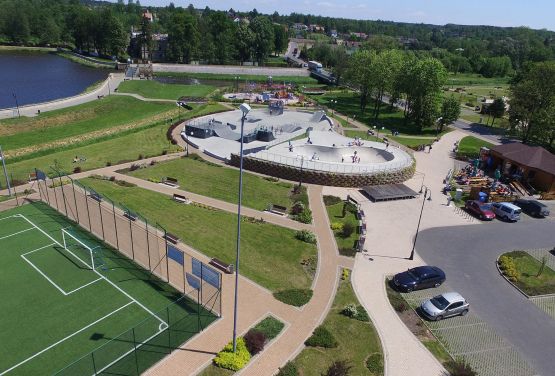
(467,254)
(473,339)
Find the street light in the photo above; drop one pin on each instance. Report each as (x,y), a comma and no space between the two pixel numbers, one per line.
(182,105)
(426,191)
(301,174)
(16,104)
(245,108)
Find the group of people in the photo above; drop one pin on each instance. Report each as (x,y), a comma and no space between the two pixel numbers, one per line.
(356,142)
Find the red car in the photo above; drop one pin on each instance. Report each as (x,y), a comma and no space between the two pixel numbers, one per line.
(482,210)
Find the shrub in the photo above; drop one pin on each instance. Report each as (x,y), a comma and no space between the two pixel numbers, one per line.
(331,200)
(305,216)
(77,170)
(348,229)
(289,369)
(362,314)
(339,368)
(294,297)
(374,363)
(255,341)
(297,208)
(134,167)
(140,156)
(350,310)
(347,251)
(321,338)
(460,368)
(345,274)
(270,326)
(306,236)
(508,267)
(337,226)
(233,361)
(123,183)
(112,178)
(152,162)
(108,164)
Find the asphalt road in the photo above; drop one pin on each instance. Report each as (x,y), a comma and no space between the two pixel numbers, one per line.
(231,69)
(467,254)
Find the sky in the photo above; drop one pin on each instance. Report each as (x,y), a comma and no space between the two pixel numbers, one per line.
(537,14)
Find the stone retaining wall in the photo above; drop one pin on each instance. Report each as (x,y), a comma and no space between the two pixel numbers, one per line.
(321,177)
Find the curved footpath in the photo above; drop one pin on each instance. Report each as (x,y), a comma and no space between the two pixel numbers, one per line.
(111,83)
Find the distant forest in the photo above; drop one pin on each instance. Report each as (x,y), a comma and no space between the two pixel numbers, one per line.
(212,36)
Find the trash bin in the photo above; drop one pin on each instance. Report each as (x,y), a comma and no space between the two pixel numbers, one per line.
(482,196)
(458,194)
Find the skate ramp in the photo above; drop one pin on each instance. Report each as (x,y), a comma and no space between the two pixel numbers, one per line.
(226,132)
(318,116)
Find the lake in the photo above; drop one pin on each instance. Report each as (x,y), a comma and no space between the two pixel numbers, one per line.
(40,77)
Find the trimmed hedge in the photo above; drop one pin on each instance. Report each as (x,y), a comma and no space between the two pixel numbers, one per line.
(289,369)
(306,236)
(321,337)
(374,363)
(294,297)
(255,341)
(270,326)
(233,361)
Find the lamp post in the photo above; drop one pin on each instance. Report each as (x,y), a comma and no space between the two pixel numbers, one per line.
(301,174)
(245,108)
(16,104)
(5,171)
(182,105)
(429,198)
(438,121)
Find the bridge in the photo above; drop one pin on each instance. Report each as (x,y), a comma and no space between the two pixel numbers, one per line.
(324,77)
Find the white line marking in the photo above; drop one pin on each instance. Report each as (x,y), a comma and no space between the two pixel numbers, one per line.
(63,339)
(100,275)
(17,233)
(44,275)
(38,249)
(11,216)
(79,288)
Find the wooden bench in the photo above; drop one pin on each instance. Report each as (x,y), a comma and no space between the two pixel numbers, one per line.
(96,197)
(278,209)
(219,264)
(181,199)
(172,182)
(171,238)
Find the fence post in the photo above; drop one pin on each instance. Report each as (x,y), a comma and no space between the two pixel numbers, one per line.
(115,224)
(88,211)
(93,362)
(75,201)
(130,231)
(63,193)
(148,245)
(135,348)
(14,191)
(169,331)
(101,221)
(47,194)
(55,194)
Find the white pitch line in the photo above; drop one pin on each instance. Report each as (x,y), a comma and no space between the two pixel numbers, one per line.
(17,233)
(38,249)
(11,216)
(44,275)
(63,339)
(81,287)
(100,275)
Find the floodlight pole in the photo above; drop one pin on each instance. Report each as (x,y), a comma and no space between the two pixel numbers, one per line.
(411,257)
(5,171)
(245,109)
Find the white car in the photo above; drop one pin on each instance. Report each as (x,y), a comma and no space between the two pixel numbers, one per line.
(506,211)
(445,305)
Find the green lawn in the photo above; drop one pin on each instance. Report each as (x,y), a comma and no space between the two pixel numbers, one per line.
(412,142)
(469,146)
(271,255)
(155,89)
(51,297)
(115,149)
(465,79)
(475,117)
(361,134)
(528,268)
(356,340)
(110,112)
(335,215)
(243,77)
(199,176)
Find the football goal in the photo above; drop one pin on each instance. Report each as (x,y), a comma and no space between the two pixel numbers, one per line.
(89,256)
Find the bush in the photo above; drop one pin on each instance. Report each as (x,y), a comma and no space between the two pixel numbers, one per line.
(347,251)
(350,310)
(270,326)
(297,208)
(331,200)
(306,236)
(77,170)
(348,229)
(112,178)
(508,267)
(108,164)
(321,338)
(289,369)
(345,274)
(294,297)
(337,226)
(305,216)
(140,156)
(339,368)
(460,368)
(255,341)
(233,361)
(374,363)
(134,167)
(123,183)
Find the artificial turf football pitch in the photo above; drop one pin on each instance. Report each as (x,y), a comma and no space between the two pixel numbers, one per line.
(59,314)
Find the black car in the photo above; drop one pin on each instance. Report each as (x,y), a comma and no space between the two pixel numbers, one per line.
(532,207)
(421,277)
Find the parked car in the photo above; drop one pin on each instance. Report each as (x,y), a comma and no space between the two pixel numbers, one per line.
(506,211)
(444,305)
(482,210)
(421,277)
(532,207)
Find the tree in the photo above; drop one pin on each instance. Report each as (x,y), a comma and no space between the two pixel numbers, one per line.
(450,111)
(385,70)
(263,42)
(360,73)
(280,39)
(244,40)
(183,37)
(497,109)
(145,39)
(532,104)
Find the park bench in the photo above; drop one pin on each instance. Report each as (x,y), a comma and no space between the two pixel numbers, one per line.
(96,197)
(172,182)
(32,177)
(171,238)
(219,264)
(278,209)
(180,198)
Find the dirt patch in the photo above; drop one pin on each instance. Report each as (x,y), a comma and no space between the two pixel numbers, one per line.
(415,324)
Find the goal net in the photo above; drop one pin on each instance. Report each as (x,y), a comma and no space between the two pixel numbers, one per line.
(87,255)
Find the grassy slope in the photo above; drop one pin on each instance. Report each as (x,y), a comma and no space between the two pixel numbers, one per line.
(271,256)
(154,89)
(528,268)
(357,340)
(243,77)
(198,176)
(109,112)
(471,145)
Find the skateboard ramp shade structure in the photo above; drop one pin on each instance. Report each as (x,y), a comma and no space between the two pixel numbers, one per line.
(318,116)
(388,192)
(225,131)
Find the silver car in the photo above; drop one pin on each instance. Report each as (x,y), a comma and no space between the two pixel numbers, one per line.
(445,305)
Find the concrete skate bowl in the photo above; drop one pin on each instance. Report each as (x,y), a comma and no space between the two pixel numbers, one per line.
(333,166)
